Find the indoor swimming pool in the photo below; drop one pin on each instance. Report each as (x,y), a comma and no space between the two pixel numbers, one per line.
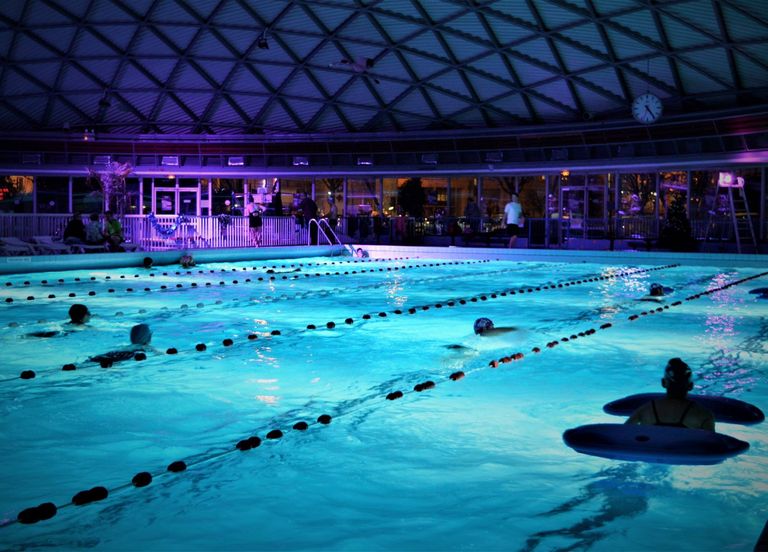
(247,350)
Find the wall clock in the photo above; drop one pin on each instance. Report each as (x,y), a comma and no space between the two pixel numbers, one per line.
(646,108)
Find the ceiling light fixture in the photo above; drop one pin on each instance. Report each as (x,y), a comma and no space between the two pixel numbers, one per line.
(261,42)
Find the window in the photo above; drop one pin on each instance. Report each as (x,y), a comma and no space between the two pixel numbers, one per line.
(362,196)
(87,196)
(52,194)
(16,194)
(462,189)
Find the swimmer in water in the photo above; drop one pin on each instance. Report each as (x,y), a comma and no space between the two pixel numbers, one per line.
(484,327)
(79,316)
(141,335)
(657,292)
(272,271)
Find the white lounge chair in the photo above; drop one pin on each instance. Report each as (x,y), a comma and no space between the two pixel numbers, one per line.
(15,246)
(46,244)
(88,248)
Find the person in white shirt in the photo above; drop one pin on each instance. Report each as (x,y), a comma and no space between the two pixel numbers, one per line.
(513,212)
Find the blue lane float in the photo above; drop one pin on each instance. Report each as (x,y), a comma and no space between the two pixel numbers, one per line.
(725,409)
(655,444)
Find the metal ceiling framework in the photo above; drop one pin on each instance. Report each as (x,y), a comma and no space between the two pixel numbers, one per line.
(199,67)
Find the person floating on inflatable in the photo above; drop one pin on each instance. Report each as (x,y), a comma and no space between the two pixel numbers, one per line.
(484,327)
(675,410)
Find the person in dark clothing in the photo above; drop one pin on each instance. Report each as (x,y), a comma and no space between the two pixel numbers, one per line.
(308,209)
(74,232)
(255,224)
(675,410)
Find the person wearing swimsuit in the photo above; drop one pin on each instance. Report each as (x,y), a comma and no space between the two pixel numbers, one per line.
(675,409)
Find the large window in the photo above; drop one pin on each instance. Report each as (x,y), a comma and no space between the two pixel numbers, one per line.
(227,195)
(391,185)
(292,191)
(329,191)
(436,194)
(673,186)
(532,193)
(362,196)
(496,193)
(87,196)
(463,188)
(16,194)
(638,194)
(52,194)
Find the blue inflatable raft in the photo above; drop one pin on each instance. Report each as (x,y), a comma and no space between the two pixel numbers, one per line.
(727,410)
(657,444)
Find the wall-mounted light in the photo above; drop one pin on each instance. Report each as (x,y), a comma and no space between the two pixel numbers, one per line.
(300,161)
(102,159)
(365,160)
(429,158)
(170,160)
(235,161)
(494,156)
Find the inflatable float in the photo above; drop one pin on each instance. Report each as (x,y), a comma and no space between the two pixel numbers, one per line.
(725,409)
(657,444)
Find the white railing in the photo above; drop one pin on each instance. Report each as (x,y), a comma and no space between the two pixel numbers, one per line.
(168,232)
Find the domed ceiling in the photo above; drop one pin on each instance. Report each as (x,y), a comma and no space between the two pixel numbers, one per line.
(345,66)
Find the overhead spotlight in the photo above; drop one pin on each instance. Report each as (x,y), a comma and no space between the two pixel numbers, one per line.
(89,135)
(261,42)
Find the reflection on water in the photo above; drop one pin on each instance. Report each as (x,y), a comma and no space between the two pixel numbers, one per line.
(619,492)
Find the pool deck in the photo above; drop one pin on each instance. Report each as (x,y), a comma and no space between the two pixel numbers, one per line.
(46,263)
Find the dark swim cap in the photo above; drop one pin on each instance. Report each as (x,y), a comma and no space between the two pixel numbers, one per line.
(657,290)
(77,313)
(141,334)
(677,372)
(483,324)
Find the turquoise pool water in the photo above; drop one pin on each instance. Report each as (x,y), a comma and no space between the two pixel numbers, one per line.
(475,464)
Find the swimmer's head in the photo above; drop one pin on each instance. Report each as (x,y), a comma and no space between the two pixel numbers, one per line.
(657,290)
(147,262)
(482,325)
(79,314)
(141,334)
(677,376)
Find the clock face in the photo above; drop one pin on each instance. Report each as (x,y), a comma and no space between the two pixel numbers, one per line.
(646,108)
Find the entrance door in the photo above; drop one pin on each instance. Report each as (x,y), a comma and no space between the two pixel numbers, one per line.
(164,201)
(176,201)
(189,201)
(583,211)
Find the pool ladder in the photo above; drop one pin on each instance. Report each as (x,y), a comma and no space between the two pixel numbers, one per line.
(324,229)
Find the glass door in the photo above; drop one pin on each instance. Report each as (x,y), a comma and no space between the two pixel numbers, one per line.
(176,201)
(572,204)
(164,201)
(189,201)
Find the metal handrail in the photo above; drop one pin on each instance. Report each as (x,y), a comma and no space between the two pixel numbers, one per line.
(324,228)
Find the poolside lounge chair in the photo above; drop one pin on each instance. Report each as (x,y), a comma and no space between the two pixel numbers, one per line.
(88,248)
(15,246)
(46,244)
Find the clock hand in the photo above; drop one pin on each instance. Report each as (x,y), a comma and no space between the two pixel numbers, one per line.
(648,109)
